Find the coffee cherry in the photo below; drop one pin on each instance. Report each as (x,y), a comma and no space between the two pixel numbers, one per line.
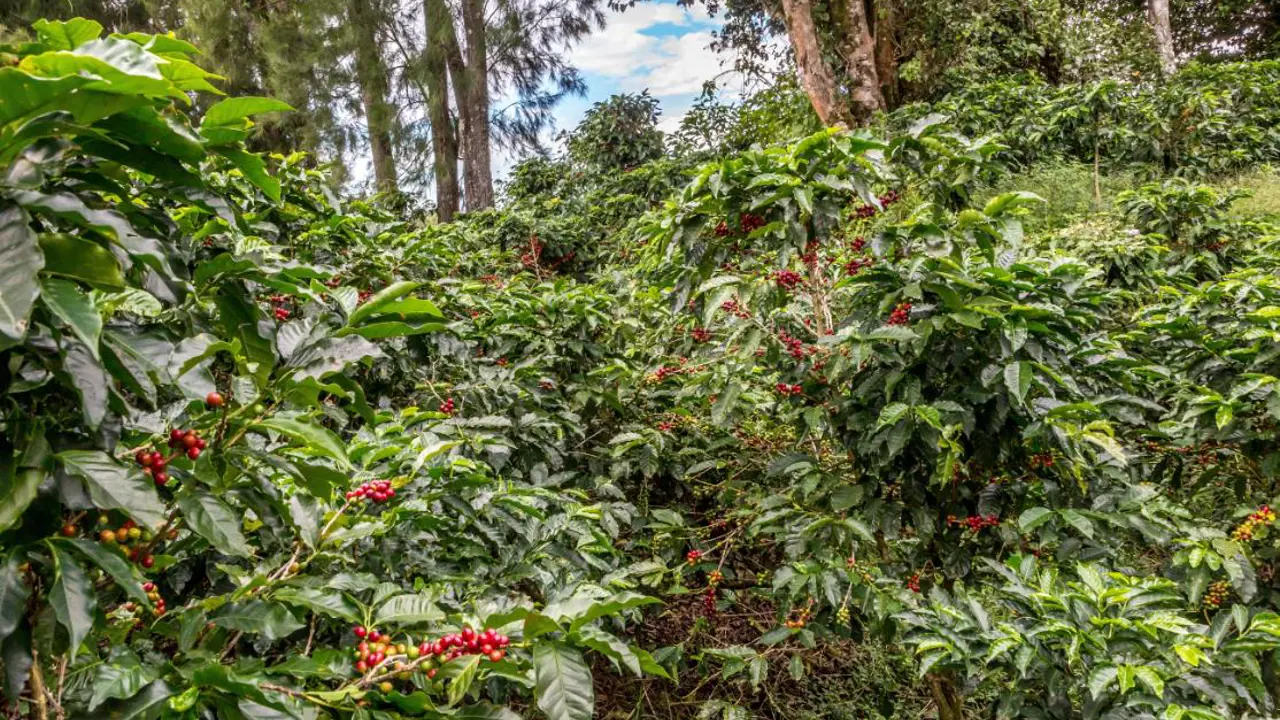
(160,478)
(103,519)
(193,452)
(134,533)
(190,440)
(431,674)
(413,652)
(385,686)
(359,631)
(143,457)
(495,655)
(148,586)
(68,530)
(107,536)
(148,561)
(213,400)
(362,667)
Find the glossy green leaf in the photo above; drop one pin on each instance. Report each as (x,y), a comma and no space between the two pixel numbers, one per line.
(214,520)
(20,261)
(563,682)
(112,485)
(73,598)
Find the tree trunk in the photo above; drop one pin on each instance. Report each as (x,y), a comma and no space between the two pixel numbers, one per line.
(884,29)
(815,78)
(858,49)
(371,72)
(946,697)
(476,150)
(444,137)
(1158,15)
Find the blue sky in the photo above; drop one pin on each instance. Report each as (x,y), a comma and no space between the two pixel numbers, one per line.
(657,46)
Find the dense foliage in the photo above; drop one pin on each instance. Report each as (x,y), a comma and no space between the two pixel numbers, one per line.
(815,429)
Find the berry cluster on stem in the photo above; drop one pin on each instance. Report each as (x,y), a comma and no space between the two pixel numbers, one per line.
(378,491)
(901,314)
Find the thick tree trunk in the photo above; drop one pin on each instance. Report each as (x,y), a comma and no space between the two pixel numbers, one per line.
(815,78)
(948,699)
(1158,15)
(476,150)
(371,72)
(885,29)
(444,137)
(858,49)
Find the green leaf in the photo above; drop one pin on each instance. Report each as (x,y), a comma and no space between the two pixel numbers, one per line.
(1100,679)
(892,414)
(125,575)
(13,593)
(114,486)
(1017,377)
(1224,416)
(381,299)
(317,439)
(1000,204)
(1149,677)
(20,491)
(121,67)
(20,261)
(214,520)
(462,681)
(76,309)
(82,260)
(320,600)
(16,654)
(147,704)
(1032,518)
(121,677)
(236,110)
(562,682)
(67,35)
(408,610)
(725,402)
(255,169)
(271,620)
(73,599)
(1078,521)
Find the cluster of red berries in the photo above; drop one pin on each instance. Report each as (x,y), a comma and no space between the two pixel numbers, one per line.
(363,295)
(901,315)
(787,279)
(974,523)
(889,198)
(786,390)
(1041,461)
(810,256)
(547,384)
(153,594)
(278,309)
(333,282)
(531,258)
(153,463)
(751,223)
(1216,245)
(491,279)
(857,265)
(858,244)
(447,407)
(489,643)
(700,334)
(709,595)
(795,347)
(722,229)
(188,441)
(378,491)
(373,648)
(799,621)
(501,362)
(129,533)
(664,372)
(665,426)
(1262,517)
(913,583)
(732,306)
(693,556)
(1216,595)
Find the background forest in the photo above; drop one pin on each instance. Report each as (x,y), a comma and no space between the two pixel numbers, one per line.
(938,376)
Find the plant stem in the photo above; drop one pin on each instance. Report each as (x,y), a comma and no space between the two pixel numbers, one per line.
(37,687)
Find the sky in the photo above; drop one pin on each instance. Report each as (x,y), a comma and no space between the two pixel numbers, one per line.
(657,46)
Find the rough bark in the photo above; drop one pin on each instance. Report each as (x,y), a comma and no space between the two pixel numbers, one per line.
(946,697)
(476,151)
(885,28)
(371,72)
(815,77)
(1158,16)
(858,50)
(444,137)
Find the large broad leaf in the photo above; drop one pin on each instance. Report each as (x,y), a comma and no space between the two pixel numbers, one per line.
(13,593)
(121,677)
(16,654)
(125,575)
(271,620)
(81,259)
(215,521)
(15,498)
(319,440)
(67,35)
(234,111)
(122,68)
(563,682)
(374,305)
(331,355)
(1017,378)
(320,600)
(76,309)
(113,486)
(239,317)
(20,261)
(147,704)
(89,379)
(73,599)
(408,610)
(255,169)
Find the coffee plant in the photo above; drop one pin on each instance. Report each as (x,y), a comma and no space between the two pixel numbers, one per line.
(699,435)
